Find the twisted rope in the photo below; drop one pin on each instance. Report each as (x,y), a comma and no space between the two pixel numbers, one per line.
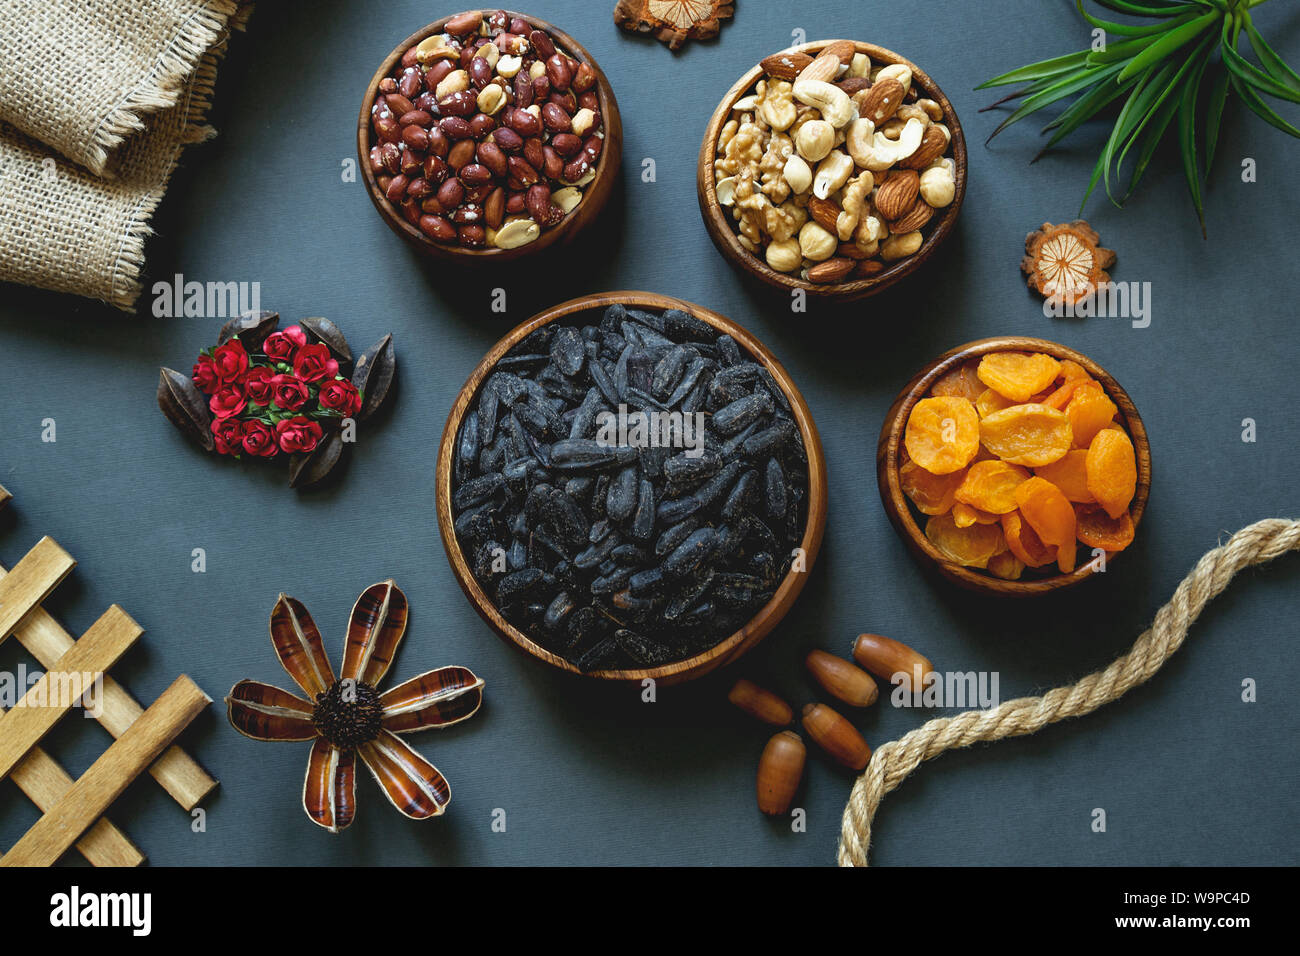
(1257,544)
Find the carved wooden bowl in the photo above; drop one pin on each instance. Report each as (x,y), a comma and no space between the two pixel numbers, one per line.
(903,515)
(595,195)
(767,617)
(722,229)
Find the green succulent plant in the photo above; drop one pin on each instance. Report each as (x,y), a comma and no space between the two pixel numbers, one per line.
(1166,74)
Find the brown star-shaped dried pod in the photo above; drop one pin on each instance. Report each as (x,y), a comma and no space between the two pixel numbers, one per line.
(1065,263)
(674,21)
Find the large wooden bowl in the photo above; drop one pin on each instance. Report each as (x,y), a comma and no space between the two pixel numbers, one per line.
(594,197)
(767,617)
(899,508)
(722,229)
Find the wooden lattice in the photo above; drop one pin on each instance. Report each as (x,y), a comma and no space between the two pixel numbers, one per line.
(73,810)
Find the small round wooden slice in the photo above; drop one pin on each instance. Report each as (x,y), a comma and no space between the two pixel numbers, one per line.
(674,21)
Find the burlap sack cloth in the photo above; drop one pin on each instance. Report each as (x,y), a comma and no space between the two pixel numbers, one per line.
(97,100)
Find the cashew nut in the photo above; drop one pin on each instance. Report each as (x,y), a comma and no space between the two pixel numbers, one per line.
(859,139)
(814,140)
(831,101)
(861,66)
(816,243)
(832,173)
(900,247)
(784,256)
(898,72)
(797,174)
(886,152)
(932,109)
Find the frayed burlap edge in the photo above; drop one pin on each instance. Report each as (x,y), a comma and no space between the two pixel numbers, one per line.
(165,84)
(197,90)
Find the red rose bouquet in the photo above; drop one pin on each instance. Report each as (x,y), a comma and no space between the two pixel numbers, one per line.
(265,392)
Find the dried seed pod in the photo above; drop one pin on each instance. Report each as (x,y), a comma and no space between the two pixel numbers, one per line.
(374,374)
(326,332)
(760,703)
(779,771)
(836,736)
(185,406)
(315,467)
(842,679)
(886,657)
(251,328)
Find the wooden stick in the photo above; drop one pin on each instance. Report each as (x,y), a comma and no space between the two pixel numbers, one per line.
(4,496)
(31,581)
(45,782)
(108,776)
(51,696)
(47,641)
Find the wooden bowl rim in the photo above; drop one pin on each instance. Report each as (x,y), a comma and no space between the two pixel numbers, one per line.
(606,168)
(725,237)
(765,618)
(899,509)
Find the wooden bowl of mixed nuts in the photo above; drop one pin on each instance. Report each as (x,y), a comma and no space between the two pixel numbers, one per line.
(1015,465)
(489,135)
(590,532)
(835,167)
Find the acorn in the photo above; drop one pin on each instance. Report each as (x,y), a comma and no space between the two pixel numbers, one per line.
(886,657)
(836,736)
(842,679)
(779,771)
(760,703)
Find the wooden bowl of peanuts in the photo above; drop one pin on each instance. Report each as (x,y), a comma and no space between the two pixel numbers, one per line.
(453,161)
(836,167)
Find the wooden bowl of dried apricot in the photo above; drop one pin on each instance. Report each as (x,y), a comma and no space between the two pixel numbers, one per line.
(1016,465)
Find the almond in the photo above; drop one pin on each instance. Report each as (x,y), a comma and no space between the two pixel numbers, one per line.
(882,101)
(913,219)
(851,250)
(825,68)
(854,84)
(933,145)
(896,195)
(844,49)
(785,66)
(825,213)
(871,267)
(832,270)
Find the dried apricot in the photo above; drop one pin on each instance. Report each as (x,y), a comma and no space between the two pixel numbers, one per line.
(1072,371)
(1060,397)
(1031,435)
(932,494)
(1006,566)
(991,486)
(961,382)
(1051,516)
(1096,529)
(990,402)
(1112,470)
(964,515)
(971,546)
(1024,543)
(1070,474)
(1089,411)
(1018,375)
(943,434)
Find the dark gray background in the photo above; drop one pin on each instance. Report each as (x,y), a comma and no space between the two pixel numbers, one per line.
(1186,772)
